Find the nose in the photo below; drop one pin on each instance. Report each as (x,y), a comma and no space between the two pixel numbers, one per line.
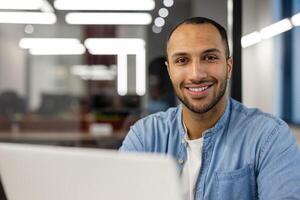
(198,71)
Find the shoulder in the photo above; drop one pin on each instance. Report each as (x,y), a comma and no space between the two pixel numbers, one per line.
(257,127)
(159,119)
(254,117)
(266,135)
(151,133)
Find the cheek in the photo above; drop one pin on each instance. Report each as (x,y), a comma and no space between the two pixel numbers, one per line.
(218,72)
(174,76)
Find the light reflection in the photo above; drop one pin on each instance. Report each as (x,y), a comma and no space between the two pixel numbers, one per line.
(109,18)
(104,5)
(27,18)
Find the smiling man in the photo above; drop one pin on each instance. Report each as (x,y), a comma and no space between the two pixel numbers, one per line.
(224,150)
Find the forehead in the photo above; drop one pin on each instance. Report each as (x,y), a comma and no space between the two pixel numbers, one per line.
(195,37)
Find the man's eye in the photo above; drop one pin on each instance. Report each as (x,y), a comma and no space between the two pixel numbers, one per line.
(211,58)
(181,60)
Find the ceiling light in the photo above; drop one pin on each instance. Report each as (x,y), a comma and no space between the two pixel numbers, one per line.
(163,12)
(21,4)
(122,47)
(104,4)
(46,6)
(109,18)
(251,39)
(296,19)
(27,18)
(159,22)
(113,46)
(168,3)
(270,31)
(140,75)
(156,29)
(30,43)
(29,29)
(276,28)
(122,74)
(79,50)
(52,46)
(93,72)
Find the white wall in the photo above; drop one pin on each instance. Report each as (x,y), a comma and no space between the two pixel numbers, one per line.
(29,75)
(258,61)
(260,73)
(12,60)
(51,74)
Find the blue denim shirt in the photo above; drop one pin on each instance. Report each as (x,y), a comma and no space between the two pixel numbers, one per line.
(248,154)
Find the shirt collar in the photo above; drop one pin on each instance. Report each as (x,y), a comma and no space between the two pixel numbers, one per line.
(224,118)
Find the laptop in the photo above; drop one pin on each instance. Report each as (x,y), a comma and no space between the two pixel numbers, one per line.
(33,172)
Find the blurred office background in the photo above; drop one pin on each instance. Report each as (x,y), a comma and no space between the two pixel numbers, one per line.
(79,73)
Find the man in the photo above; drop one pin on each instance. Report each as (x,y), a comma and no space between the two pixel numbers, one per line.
(224,150)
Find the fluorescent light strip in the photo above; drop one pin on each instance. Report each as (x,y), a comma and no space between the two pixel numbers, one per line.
(122,47)
(109,18)
(93,72)
(46,6)
(122,74)
(74,50)
(29,43)
(21,4)
(104,4)
(141,73)
(52,46)
(270,31)
(251,39)
(27,18)
(276,28)
(296,19)
(112,46)
(98,78)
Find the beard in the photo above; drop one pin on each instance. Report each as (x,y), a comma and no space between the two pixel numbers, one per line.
(206,107)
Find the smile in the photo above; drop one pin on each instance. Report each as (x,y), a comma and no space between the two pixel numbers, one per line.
(199,89)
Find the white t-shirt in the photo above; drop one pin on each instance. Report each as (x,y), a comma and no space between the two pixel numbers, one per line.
(191,167)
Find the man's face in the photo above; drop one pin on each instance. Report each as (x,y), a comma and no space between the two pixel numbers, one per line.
(198,66)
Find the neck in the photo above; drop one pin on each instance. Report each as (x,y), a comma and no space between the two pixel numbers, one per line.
(197,123)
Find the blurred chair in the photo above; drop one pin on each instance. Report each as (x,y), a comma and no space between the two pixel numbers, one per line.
(11,104)
(55,104)
(161,93)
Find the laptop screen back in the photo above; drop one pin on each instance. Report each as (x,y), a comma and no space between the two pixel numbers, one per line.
(32,172)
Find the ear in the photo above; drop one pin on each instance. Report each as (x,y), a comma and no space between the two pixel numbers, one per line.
(167,65)
(229,65)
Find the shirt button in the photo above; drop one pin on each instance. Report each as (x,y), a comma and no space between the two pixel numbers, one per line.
(183,141)
(180,161)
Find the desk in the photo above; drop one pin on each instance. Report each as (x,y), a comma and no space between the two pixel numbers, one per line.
(65,139)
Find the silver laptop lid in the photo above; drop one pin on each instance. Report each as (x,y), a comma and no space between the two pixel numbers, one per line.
(32,172)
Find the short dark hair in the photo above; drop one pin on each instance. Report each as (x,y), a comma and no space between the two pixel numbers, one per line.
(203,20)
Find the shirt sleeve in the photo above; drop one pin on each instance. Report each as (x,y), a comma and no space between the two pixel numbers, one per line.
(279,166)
(132,142)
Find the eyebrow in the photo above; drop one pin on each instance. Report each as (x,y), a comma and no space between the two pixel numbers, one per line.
(179,54)
(211,50)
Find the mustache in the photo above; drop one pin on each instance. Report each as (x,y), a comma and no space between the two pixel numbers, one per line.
(198,82)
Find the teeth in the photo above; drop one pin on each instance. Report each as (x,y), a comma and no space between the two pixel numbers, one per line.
(198,89)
